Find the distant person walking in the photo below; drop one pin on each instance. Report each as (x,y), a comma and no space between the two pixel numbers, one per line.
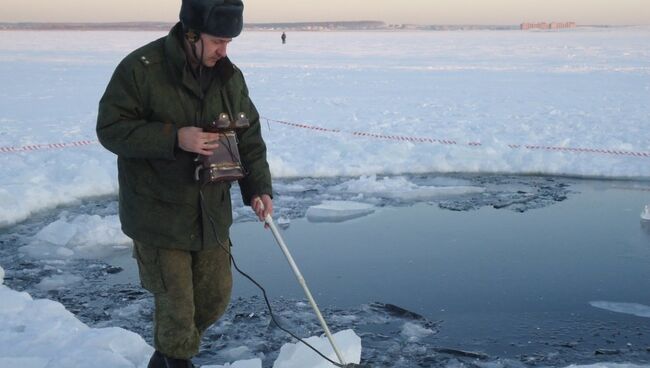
(284,38)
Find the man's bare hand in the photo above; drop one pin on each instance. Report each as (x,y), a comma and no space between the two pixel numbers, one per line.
(194,139)
(262,205)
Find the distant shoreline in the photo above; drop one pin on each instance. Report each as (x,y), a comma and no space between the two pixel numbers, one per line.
(300,26)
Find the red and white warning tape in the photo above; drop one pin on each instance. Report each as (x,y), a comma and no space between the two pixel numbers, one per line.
(470,144)
(39,147)
(400,138)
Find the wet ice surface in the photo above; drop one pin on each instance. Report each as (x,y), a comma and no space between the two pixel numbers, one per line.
(406,333)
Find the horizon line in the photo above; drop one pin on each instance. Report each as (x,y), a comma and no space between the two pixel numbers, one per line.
(310,22)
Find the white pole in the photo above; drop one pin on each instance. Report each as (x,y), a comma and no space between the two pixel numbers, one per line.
(269,220)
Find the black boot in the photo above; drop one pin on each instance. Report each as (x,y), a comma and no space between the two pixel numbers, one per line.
(177,363)
(157,360)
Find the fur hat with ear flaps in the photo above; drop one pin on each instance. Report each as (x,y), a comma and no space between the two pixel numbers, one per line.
(220,18)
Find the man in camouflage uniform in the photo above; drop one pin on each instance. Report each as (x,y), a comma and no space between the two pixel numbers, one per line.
(152,117)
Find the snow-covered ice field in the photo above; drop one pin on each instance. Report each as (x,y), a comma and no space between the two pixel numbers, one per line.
(513,93)
(386,106)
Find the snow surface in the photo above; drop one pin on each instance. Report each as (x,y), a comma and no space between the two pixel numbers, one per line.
(42,333)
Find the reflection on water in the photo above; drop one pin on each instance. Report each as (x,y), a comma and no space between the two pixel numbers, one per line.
(645,225)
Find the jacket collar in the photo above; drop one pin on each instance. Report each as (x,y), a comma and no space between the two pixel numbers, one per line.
(177,59)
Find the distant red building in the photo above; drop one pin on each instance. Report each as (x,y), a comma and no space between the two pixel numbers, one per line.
(546,26)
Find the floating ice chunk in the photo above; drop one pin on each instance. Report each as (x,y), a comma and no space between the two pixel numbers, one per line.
(338,211)
(99,231)
(635,309)
(59,232)
(413,331)
(299,356)
(84,236)
(645,215)
(251,363)
(57,282)
(283,222)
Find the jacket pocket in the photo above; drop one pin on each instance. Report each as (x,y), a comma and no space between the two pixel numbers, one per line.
(149,268)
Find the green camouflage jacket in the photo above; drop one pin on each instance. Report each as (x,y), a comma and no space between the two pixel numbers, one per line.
(152,94)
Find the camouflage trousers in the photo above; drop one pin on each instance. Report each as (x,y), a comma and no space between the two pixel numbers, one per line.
(191,291)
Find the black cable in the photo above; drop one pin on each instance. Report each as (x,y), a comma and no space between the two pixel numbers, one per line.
(266,299)
(234,157)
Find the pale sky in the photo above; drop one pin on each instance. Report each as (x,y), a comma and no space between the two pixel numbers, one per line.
(391,11)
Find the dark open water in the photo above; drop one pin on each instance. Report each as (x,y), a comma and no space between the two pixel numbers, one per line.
(502,282)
